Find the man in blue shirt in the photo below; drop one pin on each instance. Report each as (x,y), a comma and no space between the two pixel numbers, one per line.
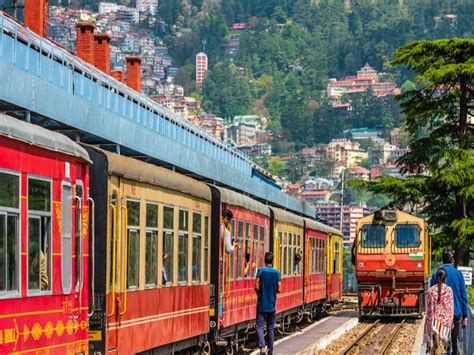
(455,280)
(267,285)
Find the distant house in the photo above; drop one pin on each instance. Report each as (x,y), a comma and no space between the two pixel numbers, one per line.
(358,172)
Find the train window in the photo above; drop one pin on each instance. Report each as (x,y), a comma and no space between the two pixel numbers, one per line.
(197,238)
(232,257)
(262,246)
(407,235)
(39,235)
(151,245)
(373,236)
(206,249)
(66,245)
(238,255)
(113,237)
(336,257)
(248,250)
(254,258)
(9,233)
(183,246)
(78,236)
(133,246)
(10,193)
(168,245)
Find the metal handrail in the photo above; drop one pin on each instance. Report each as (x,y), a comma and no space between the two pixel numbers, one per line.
(124,259)
(114,258)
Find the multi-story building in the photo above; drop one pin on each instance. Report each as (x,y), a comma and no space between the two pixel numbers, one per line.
(345,152)
(201,68)
(150,6)
(330,212)
(107,7)
(367,77)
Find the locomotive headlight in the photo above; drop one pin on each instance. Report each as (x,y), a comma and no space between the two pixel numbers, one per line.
(419,265)
(361,265)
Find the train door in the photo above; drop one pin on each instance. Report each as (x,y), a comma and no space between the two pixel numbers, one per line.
(113,274)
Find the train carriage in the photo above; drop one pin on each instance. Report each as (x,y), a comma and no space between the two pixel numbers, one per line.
(145,302)
(234,305)
(392,253)
(44,231)
(288,239)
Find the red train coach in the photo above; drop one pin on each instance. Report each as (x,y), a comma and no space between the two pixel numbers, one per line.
(233,300)
(43,241)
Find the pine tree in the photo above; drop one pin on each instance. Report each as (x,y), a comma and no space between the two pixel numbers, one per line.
(441,157)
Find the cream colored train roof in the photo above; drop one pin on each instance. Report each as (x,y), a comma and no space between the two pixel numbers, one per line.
(137,170)
(288,217)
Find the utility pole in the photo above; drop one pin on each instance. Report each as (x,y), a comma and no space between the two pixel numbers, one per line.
(342,201)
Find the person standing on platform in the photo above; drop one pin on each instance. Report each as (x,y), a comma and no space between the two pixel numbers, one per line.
(455,280)
(267,285)
(439,315)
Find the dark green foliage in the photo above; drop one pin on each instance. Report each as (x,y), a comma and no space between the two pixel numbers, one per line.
(441,140)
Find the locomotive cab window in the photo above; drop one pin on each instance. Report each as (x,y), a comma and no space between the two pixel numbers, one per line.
(373,236)
(39,235)
(407,235)
(9,234)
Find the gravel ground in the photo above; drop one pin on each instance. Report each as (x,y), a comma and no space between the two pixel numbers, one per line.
(402,343)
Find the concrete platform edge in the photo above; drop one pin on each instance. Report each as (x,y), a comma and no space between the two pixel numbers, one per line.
(328,339)
(419,346)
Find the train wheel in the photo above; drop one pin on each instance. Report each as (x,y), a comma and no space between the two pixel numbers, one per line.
(300,316)
(206,348)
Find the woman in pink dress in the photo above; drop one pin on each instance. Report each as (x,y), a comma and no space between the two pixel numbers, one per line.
(439,315)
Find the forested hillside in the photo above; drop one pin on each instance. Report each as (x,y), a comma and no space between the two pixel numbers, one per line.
(291,48)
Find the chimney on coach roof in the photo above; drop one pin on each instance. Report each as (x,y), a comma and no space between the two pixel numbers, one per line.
(102,52)
(36,16)
(134,73)
(85,41)
(117,74)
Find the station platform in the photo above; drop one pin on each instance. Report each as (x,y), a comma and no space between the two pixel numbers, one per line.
(316,336)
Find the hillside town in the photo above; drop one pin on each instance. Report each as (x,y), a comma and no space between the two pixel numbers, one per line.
(362,153)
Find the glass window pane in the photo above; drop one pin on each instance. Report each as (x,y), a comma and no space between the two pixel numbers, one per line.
(196,271)
(39,195)
(151,261)
(133,209)
(183,220)
(77,244)
(151,215)
(133,258)
(3,261)
(168,252)
(168,217)
(10,191)
(12,258)
(206,248)
(66,247)
(197,223)
(407,235)
(373,235)
(183,257)
(34,226)
(240,249)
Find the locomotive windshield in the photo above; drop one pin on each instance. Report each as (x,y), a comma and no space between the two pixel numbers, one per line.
(407,235)
(373,236)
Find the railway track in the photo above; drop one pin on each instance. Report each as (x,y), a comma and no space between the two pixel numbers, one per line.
(376,339)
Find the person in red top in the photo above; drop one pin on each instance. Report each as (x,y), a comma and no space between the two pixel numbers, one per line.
(439,315)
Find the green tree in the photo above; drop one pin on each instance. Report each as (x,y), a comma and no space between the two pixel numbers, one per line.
(276,166)
(441,155)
